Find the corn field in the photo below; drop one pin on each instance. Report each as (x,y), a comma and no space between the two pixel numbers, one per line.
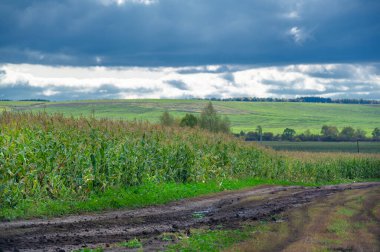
(51,156)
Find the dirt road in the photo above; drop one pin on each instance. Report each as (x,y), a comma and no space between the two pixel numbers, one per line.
(94,230)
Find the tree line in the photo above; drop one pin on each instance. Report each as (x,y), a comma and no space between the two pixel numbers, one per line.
(32,100)
(328,133)
(309,99)
(210,120)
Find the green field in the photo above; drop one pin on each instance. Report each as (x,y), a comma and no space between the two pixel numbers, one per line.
(273,117)
(364,147)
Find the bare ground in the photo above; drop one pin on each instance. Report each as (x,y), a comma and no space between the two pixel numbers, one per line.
(345,221)
(99,230)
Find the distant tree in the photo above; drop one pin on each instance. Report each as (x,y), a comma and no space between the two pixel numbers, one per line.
(360,134)
(307,133)
(209,118)
(277,137)
(189,120)
(288,134)
(329,132)
(347,134)
(211,121)
(376,134)
(267,136)
(251,136)
(166,119)
(259,131)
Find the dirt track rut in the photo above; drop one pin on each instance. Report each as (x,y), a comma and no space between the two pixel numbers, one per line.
(227,208)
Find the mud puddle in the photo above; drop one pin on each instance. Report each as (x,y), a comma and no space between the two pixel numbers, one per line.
(100,230)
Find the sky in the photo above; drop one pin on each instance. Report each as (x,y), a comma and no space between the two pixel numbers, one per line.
(96,49)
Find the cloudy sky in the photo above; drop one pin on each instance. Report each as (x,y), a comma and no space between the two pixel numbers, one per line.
(70,49)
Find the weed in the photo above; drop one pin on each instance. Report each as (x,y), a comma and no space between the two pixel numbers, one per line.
(134,243)
(171,237)
(198,215)
(89,250)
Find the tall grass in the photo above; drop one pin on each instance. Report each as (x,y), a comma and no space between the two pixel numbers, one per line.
(53,157)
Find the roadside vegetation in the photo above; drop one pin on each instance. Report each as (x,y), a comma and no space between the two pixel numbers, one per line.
(52,162)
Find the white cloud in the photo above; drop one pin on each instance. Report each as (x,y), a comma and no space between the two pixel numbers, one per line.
(98,60)
(327,80)
(299,35)
(122,2)
(49,92)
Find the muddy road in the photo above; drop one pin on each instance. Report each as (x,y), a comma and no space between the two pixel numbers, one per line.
(102,229)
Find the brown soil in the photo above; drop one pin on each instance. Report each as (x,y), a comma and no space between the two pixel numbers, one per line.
(346,221)
(94,230)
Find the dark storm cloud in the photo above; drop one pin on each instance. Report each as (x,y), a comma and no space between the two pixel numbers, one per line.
(178,84)
(342,73)
(195,32)
(56,93)
(20,91)
(206,69)
(373,95)
(229,77)
(346,89)
(216,95)
(339,81)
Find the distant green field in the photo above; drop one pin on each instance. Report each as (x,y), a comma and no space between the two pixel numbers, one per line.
(273,117)
(364,147)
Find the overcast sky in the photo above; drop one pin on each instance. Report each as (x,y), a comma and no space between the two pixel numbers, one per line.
(70,49)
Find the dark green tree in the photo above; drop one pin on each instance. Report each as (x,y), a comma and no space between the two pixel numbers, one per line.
(189,120)
(329,132)
(288,134)
(268,136)
(259,130)
(347,134)
(376,134)
(360,134)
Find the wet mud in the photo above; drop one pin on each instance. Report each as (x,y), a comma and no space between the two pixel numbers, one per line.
(101,229)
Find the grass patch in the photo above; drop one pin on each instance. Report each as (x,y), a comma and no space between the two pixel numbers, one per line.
(134,243)
(340,227)
(210,240)
(346,211)
(219,239)
(89,250)
(169,237)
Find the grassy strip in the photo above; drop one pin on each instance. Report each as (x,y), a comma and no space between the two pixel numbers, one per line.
(131,197)
(217,240)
